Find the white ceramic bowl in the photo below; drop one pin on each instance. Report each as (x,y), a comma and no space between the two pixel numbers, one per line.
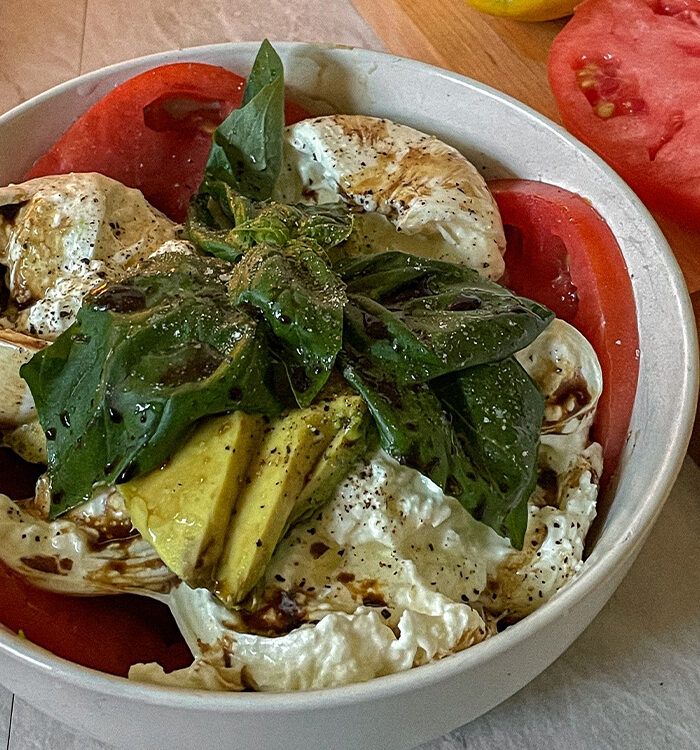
(504,138)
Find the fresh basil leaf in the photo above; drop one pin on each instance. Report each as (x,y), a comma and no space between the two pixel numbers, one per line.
(266,69)
(378,275)
(497,411)
(383,336)
(222,223)
(302,302)
(475,435)
(327,224)
(147,357)
(426,318)
(415,429)
(208,234)
(246,151)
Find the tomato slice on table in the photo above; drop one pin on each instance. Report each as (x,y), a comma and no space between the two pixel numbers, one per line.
(561,253)
(153,132)
(625,76)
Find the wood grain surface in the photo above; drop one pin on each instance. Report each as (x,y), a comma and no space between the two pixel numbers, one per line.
(508,55)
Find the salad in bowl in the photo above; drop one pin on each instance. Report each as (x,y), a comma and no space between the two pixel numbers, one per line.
(298,384)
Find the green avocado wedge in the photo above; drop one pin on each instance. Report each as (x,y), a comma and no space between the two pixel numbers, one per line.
(356,437)
(183,508)
(289,474)
(217,509)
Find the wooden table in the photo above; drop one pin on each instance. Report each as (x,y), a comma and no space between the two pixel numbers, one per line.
(637,660)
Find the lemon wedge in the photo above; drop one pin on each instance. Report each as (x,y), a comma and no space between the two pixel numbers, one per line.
(526,10)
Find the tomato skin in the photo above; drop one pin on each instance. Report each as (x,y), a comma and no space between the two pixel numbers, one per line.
(561,253)
(153,132)
(624,74)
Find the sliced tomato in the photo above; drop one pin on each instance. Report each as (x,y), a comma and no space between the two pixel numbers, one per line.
(109,633)
(625,76)
(153,132)
(561,253)
(105,633)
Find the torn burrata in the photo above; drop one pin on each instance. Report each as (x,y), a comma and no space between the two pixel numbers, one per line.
(413,192)
(63,235)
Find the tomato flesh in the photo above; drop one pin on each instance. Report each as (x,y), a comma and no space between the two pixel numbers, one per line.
(109,633)
(552,285)
(183,114)
(625,75)
(153,132)
(561,253)
(607,90)
(102,632)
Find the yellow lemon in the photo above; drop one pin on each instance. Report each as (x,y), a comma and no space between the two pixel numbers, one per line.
(526,10)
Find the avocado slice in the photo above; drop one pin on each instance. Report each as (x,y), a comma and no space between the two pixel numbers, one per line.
(183,508)
(354,439)
(284,478)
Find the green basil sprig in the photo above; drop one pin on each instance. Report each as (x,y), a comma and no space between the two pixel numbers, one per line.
(425,318)
(302,301)
(225,224)
(246,150)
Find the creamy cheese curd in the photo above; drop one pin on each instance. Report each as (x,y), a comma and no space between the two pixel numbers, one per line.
(71,555)
(71,233)
(561,511)
(417,194)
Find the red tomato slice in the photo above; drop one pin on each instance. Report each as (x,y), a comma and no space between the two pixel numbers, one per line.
(561,253)
(109,633)
(625,76)
(153,132)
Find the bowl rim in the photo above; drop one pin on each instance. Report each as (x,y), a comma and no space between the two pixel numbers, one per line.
(580,587)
